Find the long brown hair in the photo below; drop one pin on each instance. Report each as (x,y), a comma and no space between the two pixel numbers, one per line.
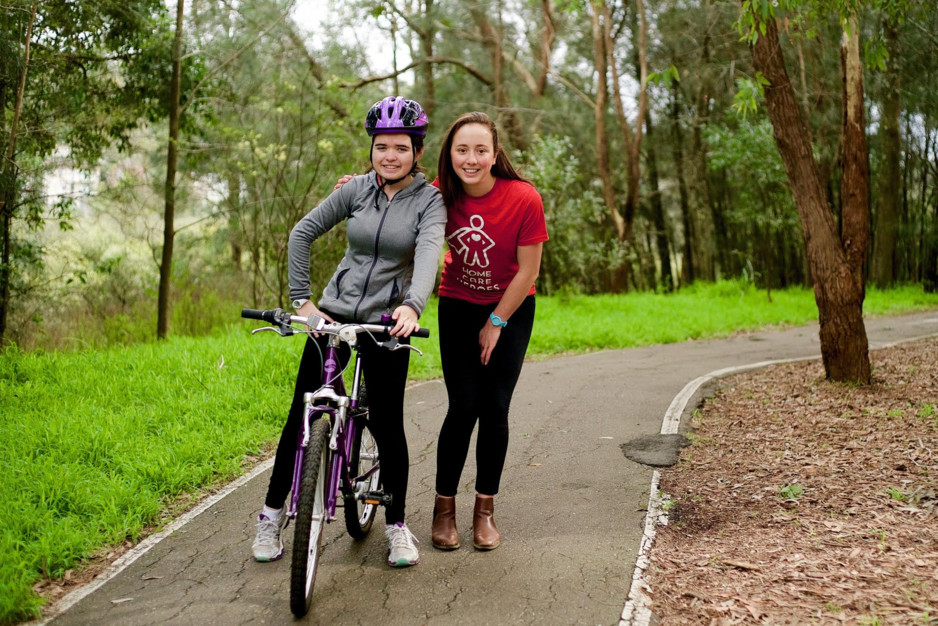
(450,184)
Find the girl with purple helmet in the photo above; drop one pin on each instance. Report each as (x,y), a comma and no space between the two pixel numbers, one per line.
(395,222)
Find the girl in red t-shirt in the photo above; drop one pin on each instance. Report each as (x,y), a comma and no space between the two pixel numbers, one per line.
(495,231)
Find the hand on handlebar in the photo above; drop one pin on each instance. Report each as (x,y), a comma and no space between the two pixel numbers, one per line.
(310,309)
(406,321)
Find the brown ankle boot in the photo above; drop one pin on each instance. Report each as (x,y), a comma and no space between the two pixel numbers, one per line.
(444,533)
(484,534)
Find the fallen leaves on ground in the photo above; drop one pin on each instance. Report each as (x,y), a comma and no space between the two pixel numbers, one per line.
(806,501)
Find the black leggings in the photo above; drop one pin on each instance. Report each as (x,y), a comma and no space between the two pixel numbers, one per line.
(385,377)
(477,392)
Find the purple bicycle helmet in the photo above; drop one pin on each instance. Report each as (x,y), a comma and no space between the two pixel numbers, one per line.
(396,114)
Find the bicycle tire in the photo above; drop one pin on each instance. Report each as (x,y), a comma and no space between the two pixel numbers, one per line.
(359,515)
(310,519)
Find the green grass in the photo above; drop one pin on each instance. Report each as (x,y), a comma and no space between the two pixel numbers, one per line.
(97,447)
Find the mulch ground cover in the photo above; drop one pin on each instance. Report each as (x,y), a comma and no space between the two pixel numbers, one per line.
(803,501)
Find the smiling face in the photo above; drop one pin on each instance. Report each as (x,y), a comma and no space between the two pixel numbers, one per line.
(473,155)
(392,155)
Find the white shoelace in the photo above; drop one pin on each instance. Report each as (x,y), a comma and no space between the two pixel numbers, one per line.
(401,537)
(268,530)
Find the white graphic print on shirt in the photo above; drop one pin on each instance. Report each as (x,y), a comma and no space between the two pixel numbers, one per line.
(472,244)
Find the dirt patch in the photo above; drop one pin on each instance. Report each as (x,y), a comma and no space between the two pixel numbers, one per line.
(805,501)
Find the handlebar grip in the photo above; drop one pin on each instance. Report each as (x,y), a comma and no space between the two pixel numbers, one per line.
(423,332)
(265,316)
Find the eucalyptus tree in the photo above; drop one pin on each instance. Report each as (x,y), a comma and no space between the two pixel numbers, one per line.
(836,256)
(61,88)
(882,266)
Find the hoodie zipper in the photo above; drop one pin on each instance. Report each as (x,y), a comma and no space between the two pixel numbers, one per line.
(374,258)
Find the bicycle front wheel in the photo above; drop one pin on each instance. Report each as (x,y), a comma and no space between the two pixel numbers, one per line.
(360,515)
(310,519)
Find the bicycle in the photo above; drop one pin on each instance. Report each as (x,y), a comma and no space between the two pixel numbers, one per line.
(336,453)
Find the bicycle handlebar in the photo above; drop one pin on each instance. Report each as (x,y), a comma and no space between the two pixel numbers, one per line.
(318,324)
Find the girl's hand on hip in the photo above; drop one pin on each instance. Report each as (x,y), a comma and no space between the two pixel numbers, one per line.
(488,337)
(406,319)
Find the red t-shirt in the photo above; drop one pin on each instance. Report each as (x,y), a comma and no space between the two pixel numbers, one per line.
(483,234)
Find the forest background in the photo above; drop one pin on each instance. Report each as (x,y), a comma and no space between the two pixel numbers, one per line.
(157,154)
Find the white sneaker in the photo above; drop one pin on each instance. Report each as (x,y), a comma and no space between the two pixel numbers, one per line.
(267,544)
(402,549)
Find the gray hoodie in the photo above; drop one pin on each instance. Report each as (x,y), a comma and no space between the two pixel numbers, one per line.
(393,250)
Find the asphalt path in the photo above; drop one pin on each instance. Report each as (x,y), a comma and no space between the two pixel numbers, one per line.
(571,510)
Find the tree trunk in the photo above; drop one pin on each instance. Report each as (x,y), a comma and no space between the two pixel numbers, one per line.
(548,34)
(234,213)
(599,115)
(677,151)
(855,183)
(883,270)
(662,241)
(8,184)
(631,140)
(426,40)
(930,260)
(838,292)
(704,213)
(169,211)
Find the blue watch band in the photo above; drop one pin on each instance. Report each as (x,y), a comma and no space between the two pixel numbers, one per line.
(497,321)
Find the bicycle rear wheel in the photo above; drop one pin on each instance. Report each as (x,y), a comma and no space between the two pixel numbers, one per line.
(360,515)
(310,519)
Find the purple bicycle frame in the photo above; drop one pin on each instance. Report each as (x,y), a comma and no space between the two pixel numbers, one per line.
(343,430)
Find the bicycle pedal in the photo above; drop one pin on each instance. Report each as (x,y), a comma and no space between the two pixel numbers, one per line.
(376,498)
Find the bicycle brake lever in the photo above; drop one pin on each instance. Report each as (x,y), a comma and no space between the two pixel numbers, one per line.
(393,344)
(284,331)
(407,345)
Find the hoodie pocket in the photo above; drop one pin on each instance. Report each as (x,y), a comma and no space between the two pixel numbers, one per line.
(395,294)
(338,282)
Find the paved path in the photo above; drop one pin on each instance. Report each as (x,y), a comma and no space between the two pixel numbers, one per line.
(571,511)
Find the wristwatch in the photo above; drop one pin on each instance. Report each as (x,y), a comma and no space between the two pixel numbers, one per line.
(497,321)
(299,302)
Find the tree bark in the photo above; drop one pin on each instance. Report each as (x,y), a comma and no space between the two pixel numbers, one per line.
(169,190)
(632,140)
(234,212)
(8,184)
(838,292)
(883,267)
(548,34)
(704,213)
(855,181)
(426,42)
(677,152)
(662,241)
(599,115)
